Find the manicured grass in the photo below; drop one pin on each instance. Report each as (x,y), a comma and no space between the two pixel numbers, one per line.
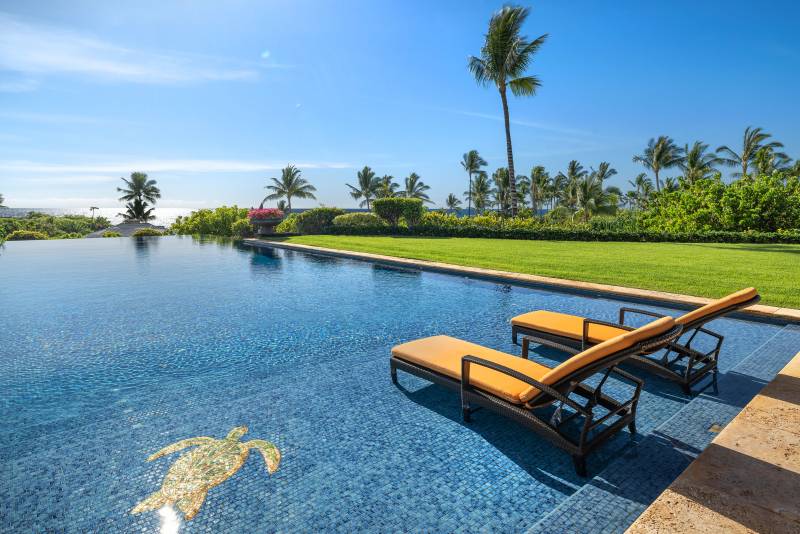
(701,269)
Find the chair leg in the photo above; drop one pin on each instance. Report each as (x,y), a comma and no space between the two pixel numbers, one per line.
(632,428)
(580,465)
(514,336)
(394,375)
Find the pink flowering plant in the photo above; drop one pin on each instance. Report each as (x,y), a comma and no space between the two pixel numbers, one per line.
(265,213)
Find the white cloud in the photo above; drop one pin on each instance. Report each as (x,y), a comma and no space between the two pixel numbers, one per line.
(166,165)
(37,49)
(518,122)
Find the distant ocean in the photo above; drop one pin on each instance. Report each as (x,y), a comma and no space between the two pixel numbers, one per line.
(164,216)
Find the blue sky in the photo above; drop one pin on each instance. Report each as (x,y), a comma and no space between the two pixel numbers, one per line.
(212,98)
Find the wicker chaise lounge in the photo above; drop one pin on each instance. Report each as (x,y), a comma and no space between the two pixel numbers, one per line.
(522,389)
(680,362)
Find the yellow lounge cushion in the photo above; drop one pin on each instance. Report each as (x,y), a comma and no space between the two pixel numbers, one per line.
(734,298)
(443,354)
(597,352)
(562,324)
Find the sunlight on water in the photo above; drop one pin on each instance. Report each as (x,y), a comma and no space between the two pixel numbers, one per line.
(170,522)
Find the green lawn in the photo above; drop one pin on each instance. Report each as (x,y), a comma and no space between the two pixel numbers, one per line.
(702,269)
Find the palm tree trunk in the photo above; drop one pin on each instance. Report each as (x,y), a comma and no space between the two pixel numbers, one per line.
(658,183)
(511,180)
(289,204)
(469,196)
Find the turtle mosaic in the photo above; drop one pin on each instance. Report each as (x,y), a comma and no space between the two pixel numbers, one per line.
(213,462)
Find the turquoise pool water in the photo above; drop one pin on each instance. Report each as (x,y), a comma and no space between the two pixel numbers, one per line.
(111,349)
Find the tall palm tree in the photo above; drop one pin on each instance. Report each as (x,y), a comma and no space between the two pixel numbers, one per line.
(387,187)
(139,187)
(540,183)
(92,209)
(481,191)
(753,140)
(140,193)
(643,189)
(290,185)
(660,154)
(452,202)
(671,184)
(505,56)
(415,188)
(767,161)
(696,164)
(630,199)
(472,163)
(368,185)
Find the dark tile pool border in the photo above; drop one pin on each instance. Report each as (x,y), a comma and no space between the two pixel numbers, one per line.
(759,312)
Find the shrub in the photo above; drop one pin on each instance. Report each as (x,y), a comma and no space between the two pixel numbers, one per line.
(26,235)
(242,228)
(111,233)
(288,225)
(218,221)
(62,226)
(317,220)
(147,232)
(392,209)
(362,220)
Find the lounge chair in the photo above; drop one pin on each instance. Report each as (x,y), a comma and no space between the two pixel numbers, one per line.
(571,333)
(522,389)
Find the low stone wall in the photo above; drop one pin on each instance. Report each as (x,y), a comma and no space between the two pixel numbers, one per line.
(747,479)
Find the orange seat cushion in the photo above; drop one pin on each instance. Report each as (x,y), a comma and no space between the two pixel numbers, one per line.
(731,300)
(443,354)
(562,324)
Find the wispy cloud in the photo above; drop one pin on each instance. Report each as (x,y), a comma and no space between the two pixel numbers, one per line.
(36,49)
(18,85)
(49,117)
(164,165)
(520,122)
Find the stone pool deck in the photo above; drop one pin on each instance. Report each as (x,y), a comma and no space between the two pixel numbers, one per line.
(748,478)
(774,312)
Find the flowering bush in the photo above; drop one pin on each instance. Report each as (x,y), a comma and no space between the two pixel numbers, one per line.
(265,213)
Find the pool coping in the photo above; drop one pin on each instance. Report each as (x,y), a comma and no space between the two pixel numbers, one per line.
(745,479)
(758,311)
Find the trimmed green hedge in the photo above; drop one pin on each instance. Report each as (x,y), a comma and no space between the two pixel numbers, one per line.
(112,233)
(242,228)
(393,209)
(435,224)
(349,220)
(317,220)
(218,221)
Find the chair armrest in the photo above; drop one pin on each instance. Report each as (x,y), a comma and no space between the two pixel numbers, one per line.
(623,311)
(587,322)
(468,360)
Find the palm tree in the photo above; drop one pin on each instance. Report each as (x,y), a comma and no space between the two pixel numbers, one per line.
(387,187)
(540,183)
(139,187)
(481,191)
(568,183)
(281,205)
(415,188)
(368,185)
(92,209)
(590,197)
(140,193)
(452,202)
(2,200)
(505,56)
(670,185)
(290,185)
(644,188)
(660,154)
(472,163)
(502,190)
(754,139)
(523,190)
(767,161)
(696,164)
(604,171)
(630,199)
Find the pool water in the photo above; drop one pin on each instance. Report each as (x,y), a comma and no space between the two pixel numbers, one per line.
(111,349)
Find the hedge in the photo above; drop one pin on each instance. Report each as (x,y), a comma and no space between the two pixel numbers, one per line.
(26,235)
(393,209)
(147,232)
(317,220)
(349,220)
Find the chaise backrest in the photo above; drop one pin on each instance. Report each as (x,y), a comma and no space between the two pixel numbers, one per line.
(711,310)
(616,345)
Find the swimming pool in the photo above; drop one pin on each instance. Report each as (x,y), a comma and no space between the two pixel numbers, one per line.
(112,349)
